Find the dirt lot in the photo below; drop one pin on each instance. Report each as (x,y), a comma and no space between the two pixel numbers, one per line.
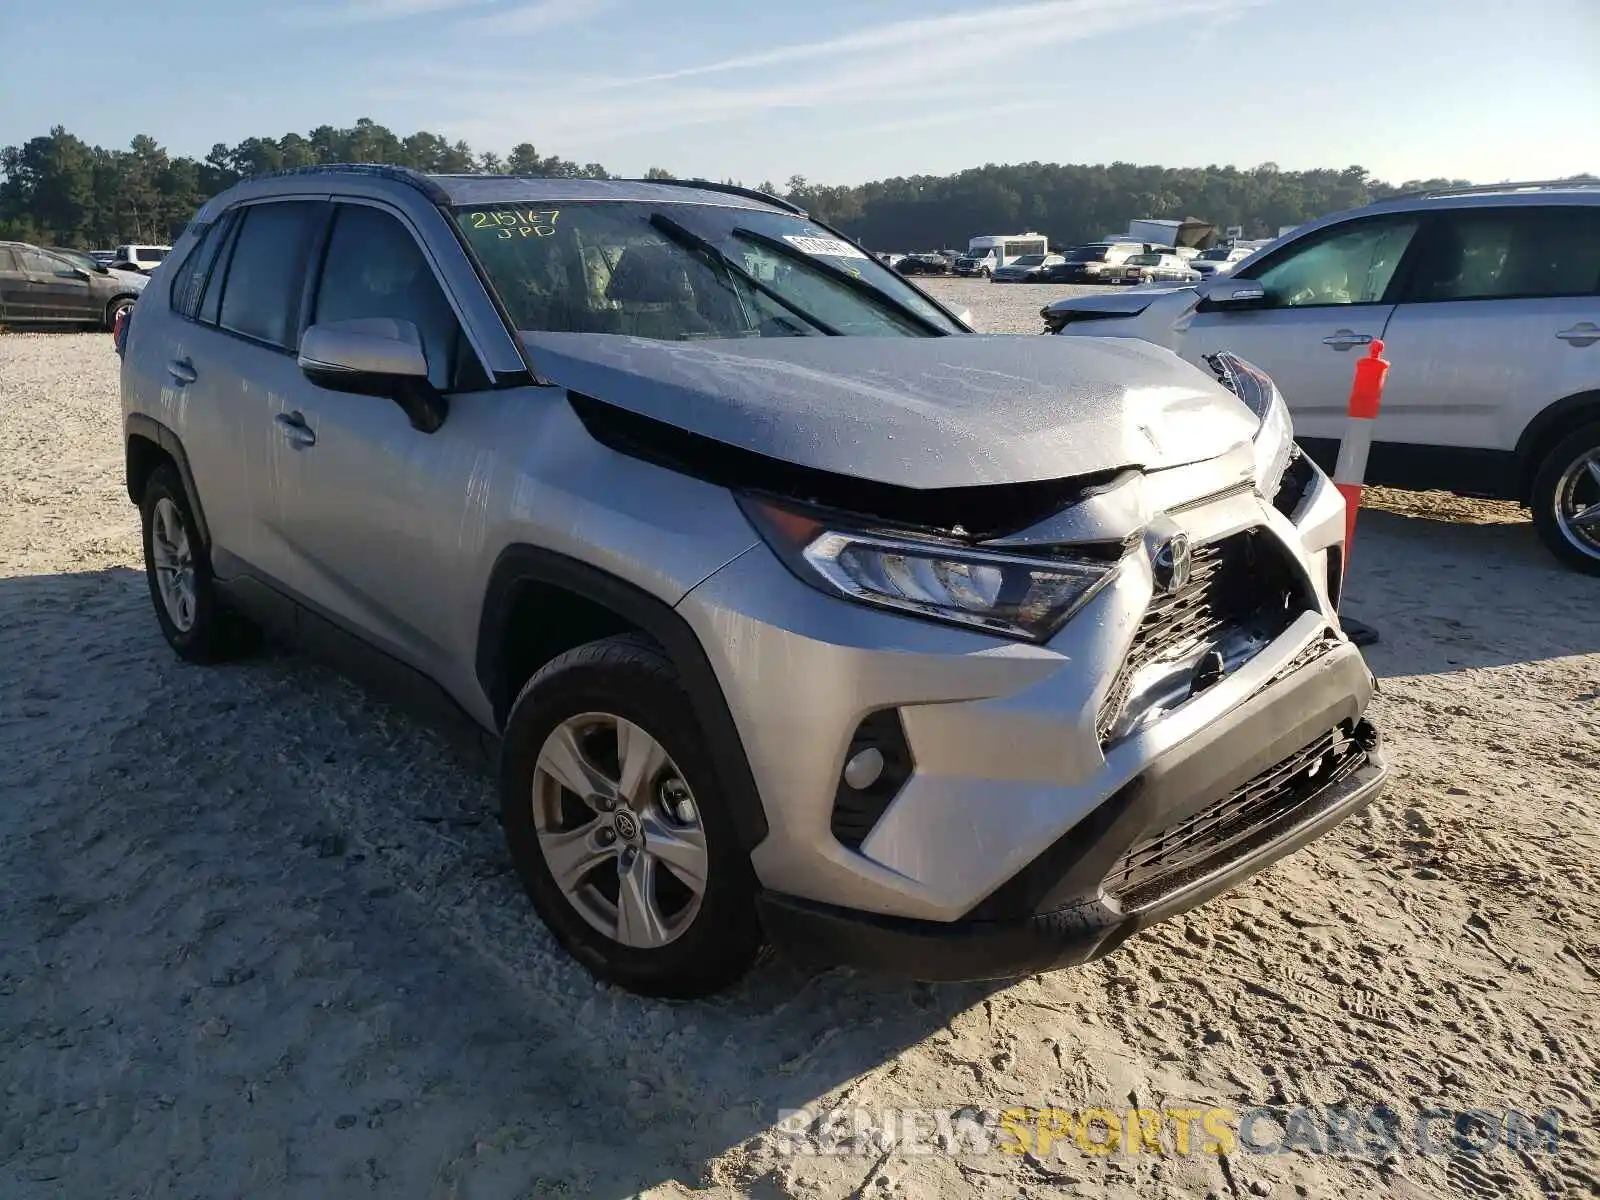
(258,935)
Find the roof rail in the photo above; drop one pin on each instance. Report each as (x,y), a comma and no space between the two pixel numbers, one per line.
(1488,189)
(732,189)
(405,175)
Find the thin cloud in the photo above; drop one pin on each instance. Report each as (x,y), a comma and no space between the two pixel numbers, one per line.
(1017,22)
(824,75)
(370,12)
(534,18)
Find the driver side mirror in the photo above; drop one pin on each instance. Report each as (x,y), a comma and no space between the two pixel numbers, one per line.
(1228,293)
(375,356)
(74,273)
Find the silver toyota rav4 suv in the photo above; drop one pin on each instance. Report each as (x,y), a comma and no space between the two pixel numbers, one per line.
(793,610)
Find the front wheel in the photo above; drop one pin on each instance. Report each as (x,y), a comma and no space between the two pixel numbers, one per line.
(1566,500)
(617,823)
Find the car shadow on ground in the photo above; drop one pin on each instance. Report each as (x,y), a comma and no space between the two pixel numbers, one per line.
(1446,596)
(262,921)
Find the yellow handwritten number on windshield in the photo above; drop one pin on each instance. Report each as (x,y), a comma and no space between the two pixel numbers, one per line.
(509,223)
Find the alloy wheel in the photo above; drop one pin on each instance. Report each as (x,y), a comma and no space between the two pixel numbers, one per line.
(1577,503)
(174,564)
(620,830)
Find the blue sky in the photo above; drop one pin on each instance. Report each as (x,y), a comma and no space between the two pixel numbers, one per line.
(839,90)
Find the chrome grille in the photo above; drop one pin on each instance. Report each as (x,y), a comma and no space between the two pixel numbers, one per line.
(1233,582)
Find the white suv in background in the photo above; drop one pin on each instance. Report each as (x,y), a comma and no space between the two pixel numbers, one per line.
(1487,300)
(138,258)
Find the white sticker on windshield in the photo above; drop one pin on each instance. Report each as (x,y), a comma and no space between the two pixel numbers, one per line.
(827,247)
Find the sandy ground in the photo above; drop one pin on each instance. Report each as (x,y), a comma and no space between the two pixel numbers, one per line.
(258,934)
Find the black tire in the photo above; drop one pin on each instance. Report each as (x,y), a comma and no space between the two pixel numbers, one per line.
(119,305)
(630,677)
(215,633)
(1547,481)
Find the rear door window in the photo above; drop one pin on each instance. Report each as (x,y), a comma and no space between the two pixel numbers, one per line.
(189,281)
(266,272)
(1507,253)
(211,302)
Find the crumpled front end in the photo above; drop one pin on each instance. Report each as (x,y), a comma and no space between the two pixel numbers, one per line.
(958,805)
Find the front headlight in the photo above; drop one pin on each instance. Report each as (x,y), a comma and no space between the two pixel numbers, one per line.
(1274,445)
(1274,440)
(1019,596)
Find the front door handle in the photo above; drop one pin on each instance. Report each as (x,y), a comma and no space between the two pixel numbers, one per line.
(182,371)
(1584,333)
(295,430)
(1347,339)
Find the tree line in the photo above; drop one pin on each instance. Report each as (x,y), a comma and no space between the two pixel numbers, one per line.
(56,189)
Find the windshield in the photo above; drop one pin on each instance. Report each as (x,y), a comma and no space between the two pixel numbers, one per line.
(1087,254)
(688,271)
(1029,260)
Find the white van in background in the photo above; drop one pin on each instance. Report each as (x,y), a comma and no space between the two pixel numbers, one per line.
(991,250)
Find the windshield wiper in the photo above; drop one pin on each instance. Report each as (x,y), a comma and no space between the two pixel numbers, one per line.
(691,240)
(854,282)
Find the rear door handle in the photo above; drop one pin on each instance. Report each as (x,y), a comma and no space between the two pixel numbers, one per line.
(1584,333)
(295,430)
(182,371)
(1347,339)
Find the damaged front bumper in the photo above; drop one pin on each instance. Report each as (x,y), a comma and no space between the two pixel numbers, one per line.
(1041,801)
(1191,826)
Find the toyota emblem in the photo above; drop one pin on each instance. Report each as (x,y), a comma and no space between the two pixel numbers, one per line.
(1172,563)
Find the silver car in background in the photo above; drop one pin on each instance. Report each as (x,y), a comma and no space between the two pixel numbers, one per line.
(1153,267)
(1219,260)
(791,610)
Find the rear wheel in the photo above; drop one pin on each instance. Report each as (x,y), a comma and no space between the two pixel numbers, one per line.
(115,309)
(192,619)
(1566,500)
(617,824)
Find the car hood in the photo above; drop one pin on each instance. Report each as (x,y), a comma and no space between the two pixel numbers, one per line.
(137,280)
(923,413)
(1121,304)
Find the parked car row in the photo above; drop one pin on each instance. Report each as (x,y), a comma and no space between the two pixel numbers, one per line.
(1487,301)
(1110,262)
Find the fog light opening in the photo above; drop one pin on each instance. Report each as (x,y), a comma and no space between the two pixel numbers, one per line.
(864,769)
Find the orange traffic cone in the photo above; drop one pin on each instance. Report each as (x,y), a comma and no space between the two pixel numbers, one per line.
(1350,472)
